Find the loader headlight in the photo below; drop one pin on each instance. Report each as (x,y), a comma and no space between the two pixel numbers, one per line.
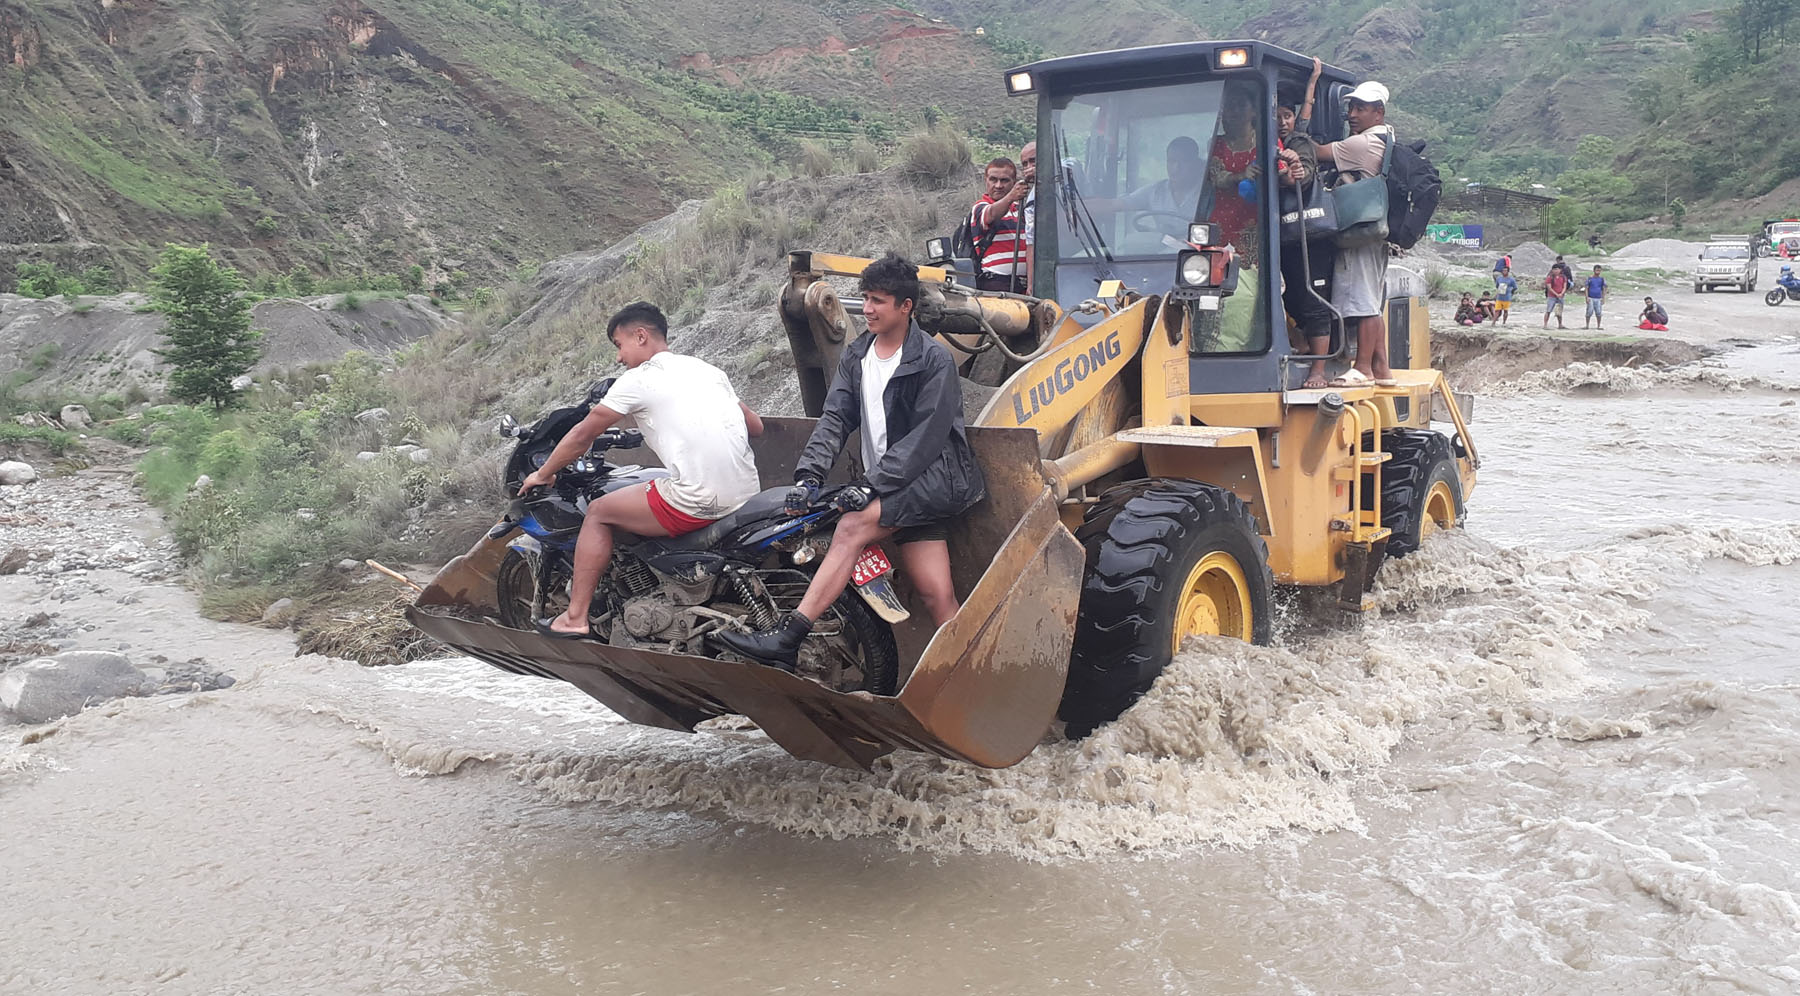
(1017,83)
(1194,270)
(937,250)
(1201,233)
(1233,58)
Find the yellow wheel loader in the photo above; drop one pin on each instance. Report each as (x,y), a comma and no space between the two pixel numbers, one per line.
(1154,465)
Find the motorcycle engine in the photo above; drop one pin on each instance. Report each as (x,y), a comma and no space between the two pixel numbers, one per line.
(648,617)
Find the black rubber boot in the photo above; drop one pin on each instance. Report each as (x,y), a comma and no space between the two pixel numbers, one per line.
(778,647)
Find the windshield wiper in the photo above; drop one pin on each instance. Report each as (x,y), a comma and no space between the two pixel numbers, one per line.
(1075,209)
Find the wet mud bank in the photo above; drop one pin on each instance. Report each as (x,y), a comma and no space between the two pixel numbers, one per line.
(1478,358)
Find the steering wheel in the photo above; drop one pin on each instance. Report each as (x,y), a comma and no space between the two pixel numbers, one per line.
(1139,217)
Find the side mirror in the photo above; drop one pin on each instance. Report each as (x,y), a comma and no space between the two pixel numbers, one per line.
(599,389)
(509,426)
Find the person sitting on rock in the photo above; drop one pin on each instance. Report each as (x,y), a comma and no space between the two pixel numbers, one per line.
(1654,317)
(1484,306)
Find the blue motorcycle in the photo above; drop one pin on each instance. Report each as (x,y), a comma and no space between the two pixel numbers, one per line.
(1787,288)
(667,594)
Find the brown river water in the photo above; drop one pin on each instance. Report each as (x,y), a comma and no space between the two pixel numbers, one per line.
(1565,757)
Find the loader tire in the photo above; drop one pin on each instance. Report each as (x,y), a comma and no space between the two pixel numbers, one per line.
(1166,558)
(1420,489)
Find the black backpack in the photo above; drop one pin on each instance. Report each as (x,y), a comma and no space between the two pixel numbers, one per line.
(964,245)
(1413,191)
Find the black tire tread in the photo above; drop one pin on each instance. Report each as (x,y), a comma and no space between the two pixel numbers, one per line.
(1136,536)
(1406,479)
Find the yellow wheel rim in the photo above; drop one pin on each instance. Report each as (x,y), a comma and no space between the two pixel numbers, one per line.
(1440,510)
(1215,600)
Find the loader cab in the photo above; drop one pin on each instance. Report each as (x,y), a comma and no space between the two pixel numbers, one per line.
(1134,146)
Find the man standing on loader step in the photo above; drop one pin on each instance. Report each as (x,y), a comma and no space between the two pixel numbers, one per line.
(1359,282)
(995,222)
(899,386)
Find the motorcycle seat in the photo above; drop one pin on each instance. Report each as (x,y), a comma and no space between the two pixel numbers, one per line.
(760,506)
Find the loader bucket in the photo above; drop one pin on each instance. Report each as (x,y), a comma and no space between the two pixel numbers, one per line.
(983,689)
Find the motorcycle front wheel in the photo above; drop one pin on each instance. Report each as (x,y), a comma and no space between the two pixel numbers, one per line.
(1775,297)
(851,649)
(515,588)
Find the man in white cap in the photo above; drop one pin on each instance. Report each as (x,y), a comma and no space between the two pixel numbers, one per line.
(1359,282)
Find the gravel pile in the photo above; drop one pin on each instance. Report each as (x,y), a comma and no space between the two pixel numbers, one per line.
(1672,254)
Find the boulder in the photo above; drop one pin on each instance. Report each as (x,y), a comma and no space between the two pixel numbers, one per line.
(419,455)
(15,560)
(242,382)
(280,612)
(373,416)
(201,483)
(53,687)
(75,417)
(16,472)
(367,455)
(347,565)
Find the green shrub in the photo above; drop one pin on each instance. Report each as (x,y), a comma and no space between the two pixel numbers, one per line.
(350,302)
(57,441)
(266,225)
(99,280)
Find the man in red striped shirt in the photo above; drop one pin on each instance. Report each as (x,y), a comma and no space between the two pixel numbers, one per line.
(994,221)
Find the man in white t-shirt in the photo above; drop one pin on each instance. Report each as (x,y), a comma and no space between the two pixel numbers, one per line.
(691,417)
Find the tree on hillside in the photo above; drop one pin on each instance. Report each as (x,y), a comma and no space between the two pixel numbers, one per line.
(1760,26)
(210,338)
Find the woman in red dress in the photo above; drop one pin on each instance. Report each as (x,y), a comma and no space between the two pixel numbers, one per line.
(1233,161)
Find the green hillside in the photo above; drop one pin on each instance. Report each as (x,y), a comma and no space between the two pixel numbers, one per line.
(458,135)
(1507,90)
(467,137)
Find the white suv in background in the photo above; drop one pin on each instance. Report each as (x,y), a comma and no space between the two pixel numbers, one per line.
(1727,261)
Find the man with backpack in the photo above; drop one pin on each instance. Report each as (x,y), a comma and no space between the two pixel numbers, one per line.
(1359,280)
(995,227)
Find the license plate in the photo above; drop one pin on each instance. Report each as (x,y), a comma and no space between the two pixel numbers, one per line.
(871,565)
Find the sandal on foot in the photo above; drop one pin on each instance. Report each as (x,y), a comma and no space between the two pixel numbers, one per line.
(544,629)
(1350,378)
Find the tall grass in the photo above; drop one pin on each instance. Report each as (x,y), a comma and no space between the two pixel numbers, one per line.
(816,160)
(935,157)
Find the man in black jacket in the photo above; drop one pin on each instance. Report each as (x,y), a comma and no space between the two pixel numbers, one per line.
(899,386)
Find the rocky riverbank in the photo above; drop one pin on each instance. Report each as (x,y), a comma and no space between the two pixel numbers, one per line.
(94,608)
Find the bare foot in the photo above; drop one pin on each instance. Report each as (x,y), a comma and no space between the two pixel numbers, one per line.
(1314,382)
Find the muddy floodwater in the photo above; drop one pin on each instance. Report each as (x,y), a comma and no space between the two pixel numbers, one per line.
(1565,757)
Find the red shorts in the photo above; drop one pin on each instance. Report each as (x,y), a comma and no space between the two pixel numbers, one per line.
(677,522)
